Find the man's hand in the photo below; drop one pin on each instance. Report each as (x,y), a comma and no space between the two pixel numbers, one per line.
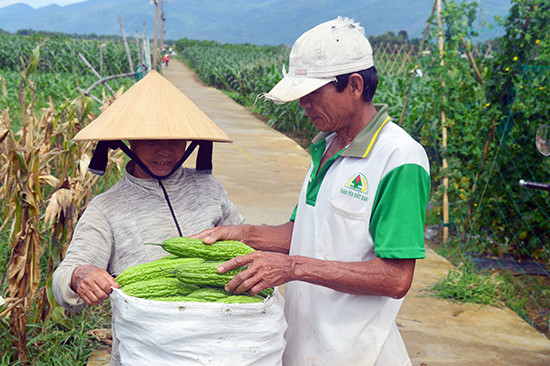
(92,283)
(260,237)
(264,270)
(212,235)
(375,277)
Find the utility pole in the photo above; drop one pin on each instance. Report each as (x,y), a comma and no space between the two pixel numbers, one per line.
(155,39)
(162,19)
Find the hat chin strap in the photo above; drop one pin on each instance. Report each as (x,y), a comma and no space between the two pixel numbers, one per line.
(100,157)
(99,160)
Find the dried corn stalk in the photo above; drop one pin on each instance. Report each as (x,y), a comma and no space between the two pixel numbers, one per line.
(37,162)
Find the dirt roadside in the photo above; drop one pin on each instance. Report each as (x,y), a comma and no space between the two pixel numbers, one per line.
(263,170)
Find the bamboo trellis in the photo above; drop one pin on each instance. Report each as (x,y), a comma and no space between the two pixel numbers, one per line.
(394,59)
(399,59)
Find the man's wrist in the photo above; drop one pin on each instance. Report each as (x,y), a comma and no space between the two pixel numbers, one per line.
(296,267)
(244,232)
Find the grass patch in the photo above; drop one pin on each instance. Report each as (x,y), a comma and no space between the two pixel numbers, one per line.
(527,295)
(54,344)
(463,284)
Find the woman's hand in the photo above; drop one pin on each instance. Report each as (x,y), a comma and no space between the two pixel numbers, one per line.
(92,283)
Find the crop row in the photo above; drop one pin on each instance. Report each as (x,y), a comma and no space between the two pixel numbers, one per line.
(58,87)
(62,55)
(245,72)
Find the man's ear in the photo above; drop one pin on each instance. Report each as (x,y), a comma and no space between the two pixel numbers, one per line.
(355,83)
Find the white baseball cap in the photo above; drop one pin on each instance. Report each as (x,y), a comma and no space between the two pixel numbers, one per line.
(330,49)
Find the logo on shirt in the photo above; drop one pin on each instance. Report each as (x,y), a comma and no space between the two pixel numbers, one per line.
(358,182)
(356,187)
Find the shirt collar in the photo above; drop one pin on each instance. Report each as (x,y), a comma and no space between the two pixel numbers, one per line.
(363,143)
(152,183)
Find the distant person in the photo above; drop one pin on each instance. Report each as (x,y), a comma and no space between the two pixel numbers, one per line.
(348,253)
(166,60)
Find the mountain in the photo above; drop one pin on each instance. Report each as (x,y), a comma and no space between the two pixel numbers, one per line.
(262,22)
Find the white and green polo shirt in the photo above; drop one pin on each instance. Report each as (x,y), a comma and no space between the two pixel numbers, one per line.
(368,200)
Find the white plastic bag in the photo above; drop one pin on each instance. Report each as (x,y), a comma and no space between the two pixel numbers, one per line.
(191,333)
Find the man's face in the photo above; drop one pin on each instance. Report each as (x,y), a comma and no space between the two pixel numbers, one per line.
(327,109)
(160,156)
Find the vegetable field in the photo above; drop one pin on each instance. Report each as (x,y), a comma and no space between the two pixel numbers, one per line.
(59,55)
(476,116)
(56,69)
(244,72)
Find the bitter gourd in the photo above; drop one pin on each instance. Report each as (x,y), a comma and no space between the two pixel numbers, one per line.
(222,250)
(204,274)
(178,298)
(161,268)
(241,299)
(155,288)
(209,294)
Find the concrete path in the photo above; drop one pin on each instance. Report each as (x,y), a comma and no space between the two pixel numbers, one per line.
(263,172)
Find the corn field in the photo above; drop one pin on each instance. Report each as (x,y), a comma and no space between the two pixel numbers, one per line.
(58,55)
(44,185)
(60,74)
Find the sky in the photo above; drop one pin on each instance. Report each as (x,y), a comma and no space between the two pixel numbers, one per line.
(38,3)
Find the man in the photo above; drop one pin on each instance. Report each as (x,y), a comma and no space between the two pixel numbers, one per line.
(347,255)
(155,200)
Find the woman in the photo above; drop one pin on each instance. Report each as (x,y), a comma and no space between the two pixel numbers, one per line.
(155,200)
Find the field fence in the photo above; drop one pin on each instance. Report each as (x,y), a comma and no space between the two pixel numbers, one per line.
(394,59)
(400,59)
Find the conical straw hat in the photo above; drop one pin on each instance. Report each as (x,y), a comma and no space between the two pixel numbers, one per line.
(152,109)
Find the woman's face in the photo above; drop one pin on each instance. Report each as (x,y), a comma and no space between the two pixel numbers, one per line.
(160,156)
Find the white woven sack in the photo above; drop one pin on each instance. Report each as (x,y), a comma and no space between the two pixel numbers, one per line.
(191,333)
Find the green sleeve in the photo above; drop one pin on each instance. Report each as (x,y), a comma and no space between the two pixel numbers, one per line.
(399,213)
(293,216)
